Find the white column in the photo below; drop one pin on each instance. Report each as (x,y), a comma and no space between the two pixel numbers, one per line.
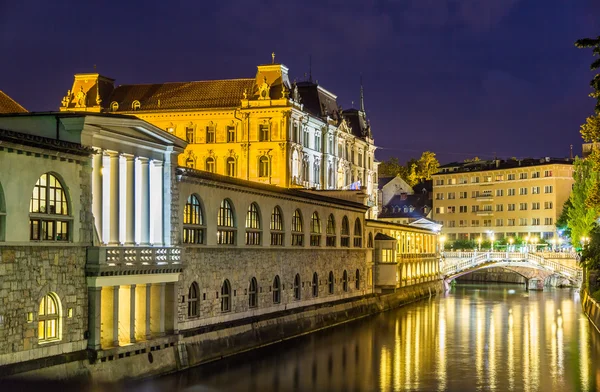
(114,199)
(144,201)
(156,204)
(130,201)
(123,179)
(167,172)
(97,193)
(105,198)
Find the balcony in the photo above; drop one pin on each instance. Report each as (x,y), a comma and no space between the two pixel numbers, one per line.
(125,260)
(485,213)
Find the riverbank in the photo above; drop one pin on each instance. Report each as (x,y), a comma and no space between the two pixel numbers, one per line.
(591,308)
(199,346)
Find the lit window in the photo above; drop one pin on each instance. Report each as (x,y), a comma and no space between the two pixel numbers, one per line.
(315,230)
(330,240)
(193,222)
(48,219)
(276,227)
(193,308)
(297,286)
(253,225)
(253,293)
(226,224)
(345,234)
(210,165)
(49,319)
(297,233)
(226,296)
(114,106)
(136,105)
(276,290)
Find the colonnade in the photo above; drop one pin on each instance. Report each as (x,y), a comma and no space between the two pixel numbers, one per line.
(416,242)
(418,271)
(128,199)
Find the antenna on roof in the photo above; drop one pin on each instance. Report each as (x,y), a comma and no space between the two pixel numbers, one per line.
(273,58)
(94,67)
(571,154)
(362,96)
(310,68)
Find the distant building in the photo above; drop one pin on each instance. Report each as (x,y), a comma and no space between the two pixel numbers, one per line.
(402,203)
(264,129)
(512,198)
(9,105)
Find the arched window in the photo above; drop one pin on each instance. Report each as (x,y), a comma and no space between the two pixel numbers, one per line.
(193,308)
(330,241)
(226,296)
(253,293)
(253,225)
(226,224)
(357,277)
(297,233)
(330,282)
(230,167)
(264,166)
(370,241)
(276,290)
(345,234)
(297,286)
(193,221)
(357,233)
(114,106)
(49,318)
(315,230)
(136,105)
(315,285)
(49,210)
(210,165)
(2,215)
(345,281)
(276,227)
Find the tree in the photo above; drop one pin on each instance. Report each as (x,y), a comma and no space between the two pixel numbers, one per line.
(562,224)
(594,44)
(414,171)
(427,166)
(474,159)
(392,168)
(582,216)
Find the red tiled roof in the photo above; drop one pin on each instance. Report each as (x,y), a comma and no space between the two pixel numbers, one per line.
(182,95)
(9,105)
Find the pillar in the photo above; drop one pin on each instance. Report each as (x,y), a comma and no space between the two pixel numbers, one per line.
(97,193)
(144,199)
(161,307)
(94,317)
(114,199)
(130,200)
(115,319)
(123,178)
(132,313)
(105,199)
(157,315)
(148,310)
(156,202)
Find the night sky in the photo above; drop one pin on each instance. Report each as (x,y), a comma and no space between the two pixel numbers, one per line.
(461,78)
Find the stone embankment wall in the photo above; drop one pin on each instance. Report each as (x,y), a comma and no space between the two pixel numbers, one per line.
(591,308)
(496,275)
(197,346)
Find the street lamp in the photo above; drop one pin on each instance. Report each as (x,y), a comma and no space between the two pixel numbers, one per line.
(479,243)
(491,235)
(510,242)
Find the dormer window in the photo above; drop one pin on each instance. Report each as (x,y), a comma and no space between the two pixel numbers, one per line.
(136,105)
(114,106)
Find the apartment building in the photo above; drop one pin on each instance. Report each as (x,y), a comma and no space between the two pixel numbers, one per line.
(509,198)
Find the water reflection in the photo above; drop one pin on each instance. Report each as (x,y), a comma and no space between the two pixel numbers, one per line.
(496,338)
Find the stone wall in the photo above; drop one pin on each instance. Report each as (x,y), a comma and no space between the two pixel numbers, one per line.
(27,274)
(496,275)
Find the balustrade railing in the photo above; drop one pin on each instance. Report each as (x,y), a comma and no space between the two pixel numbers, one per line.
(122,256)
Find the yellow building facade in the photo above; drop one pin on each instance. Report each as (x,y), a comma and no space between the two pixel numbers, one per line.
(501,198)
(263,129)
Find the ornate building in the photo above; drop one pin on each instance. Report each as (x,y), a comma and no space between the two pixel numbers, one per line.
(263,129)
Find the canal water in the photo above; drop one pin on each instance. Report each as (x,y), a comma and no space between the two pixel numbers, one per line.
(475,338)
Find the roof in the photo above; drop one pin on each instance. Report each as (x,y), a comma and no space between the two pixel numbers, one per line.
(357,120)
(383,181)
(9,105)
(318,101)
(45,143)
(395,207)
(383,237)
(499,164)
(182,95)
(426,185)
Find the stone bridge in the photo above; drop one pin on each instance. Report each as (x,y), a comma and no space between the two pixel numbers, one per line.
(536,268)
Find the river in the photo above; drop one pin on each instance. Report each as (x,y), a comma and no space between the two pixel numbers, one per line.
(475,338)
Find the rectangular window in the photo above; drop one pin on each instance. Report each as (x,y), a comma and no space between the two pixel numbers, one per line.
(548,221)
(474,194)
(439,196)
(523,176)
(522,221)
(451,195)
(510,222)
(462,223)
(535,221)
(452,181)
(535,190)
(487,223)
(451,209)
(386,256)
(499,207)
(499,177)
(523,206)
(463,195)
(231,134)
(511,207)
(511,191)
(474,208)
(452,223)
(499,222)
(189,135)
(463,180)
(548,205)
(510,177)
(547,173)
(263,133)
(499,192)
(535,206)
(535,174)
(522,191)
(463,208)
(487,208)
(475,223)
(210,134)
(439,182)
(475,180)
(487,178)
(317,142)
(439,210)
(548,189)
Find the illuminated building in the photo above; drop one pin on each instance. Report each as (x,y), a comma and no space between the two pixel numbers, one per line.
(9,105)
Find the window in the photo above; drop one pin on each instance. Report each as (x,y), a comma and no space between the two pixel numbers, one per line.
(522,176)
(318,142)
(276,290)
(463,180)
(487,222)
(487,208)
(357,278)
(387,255)
(475,222)
(276,227)
(535,206)
(315,285)
(451,195)
(315,230)
(253,225)
(452,223)
(263,133)
(548,205)
(522,221)
(499,207)
(230,167)
(487,178)
(499,177)
(210,134)
(522,206)
(2,215)
(474,208)
(439,182)
(499,222)
(193,221)
(48,219)
(522,191)
(253,293)
(463,195)
(535,174)
(190,135)
(463,209)
(548,189)
(451,209)
(49,319)
(226,296)
(210,165)
(548,221)
(231,137)
(264,166)
(297,285)
(306,141)
(535,221)
(330,282)
(474,194)
(297,233)
(510,222)
(511,191)
(439,196)
(135,105)
(345,281)
(475,180)
(330,238)
(370,240)
(357,233)
(511,207)
(463,223)
(535,190)
(226,224)
(511,177)
(114,106)
(345,234)
(499,192)
(547,173)
(193,293)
